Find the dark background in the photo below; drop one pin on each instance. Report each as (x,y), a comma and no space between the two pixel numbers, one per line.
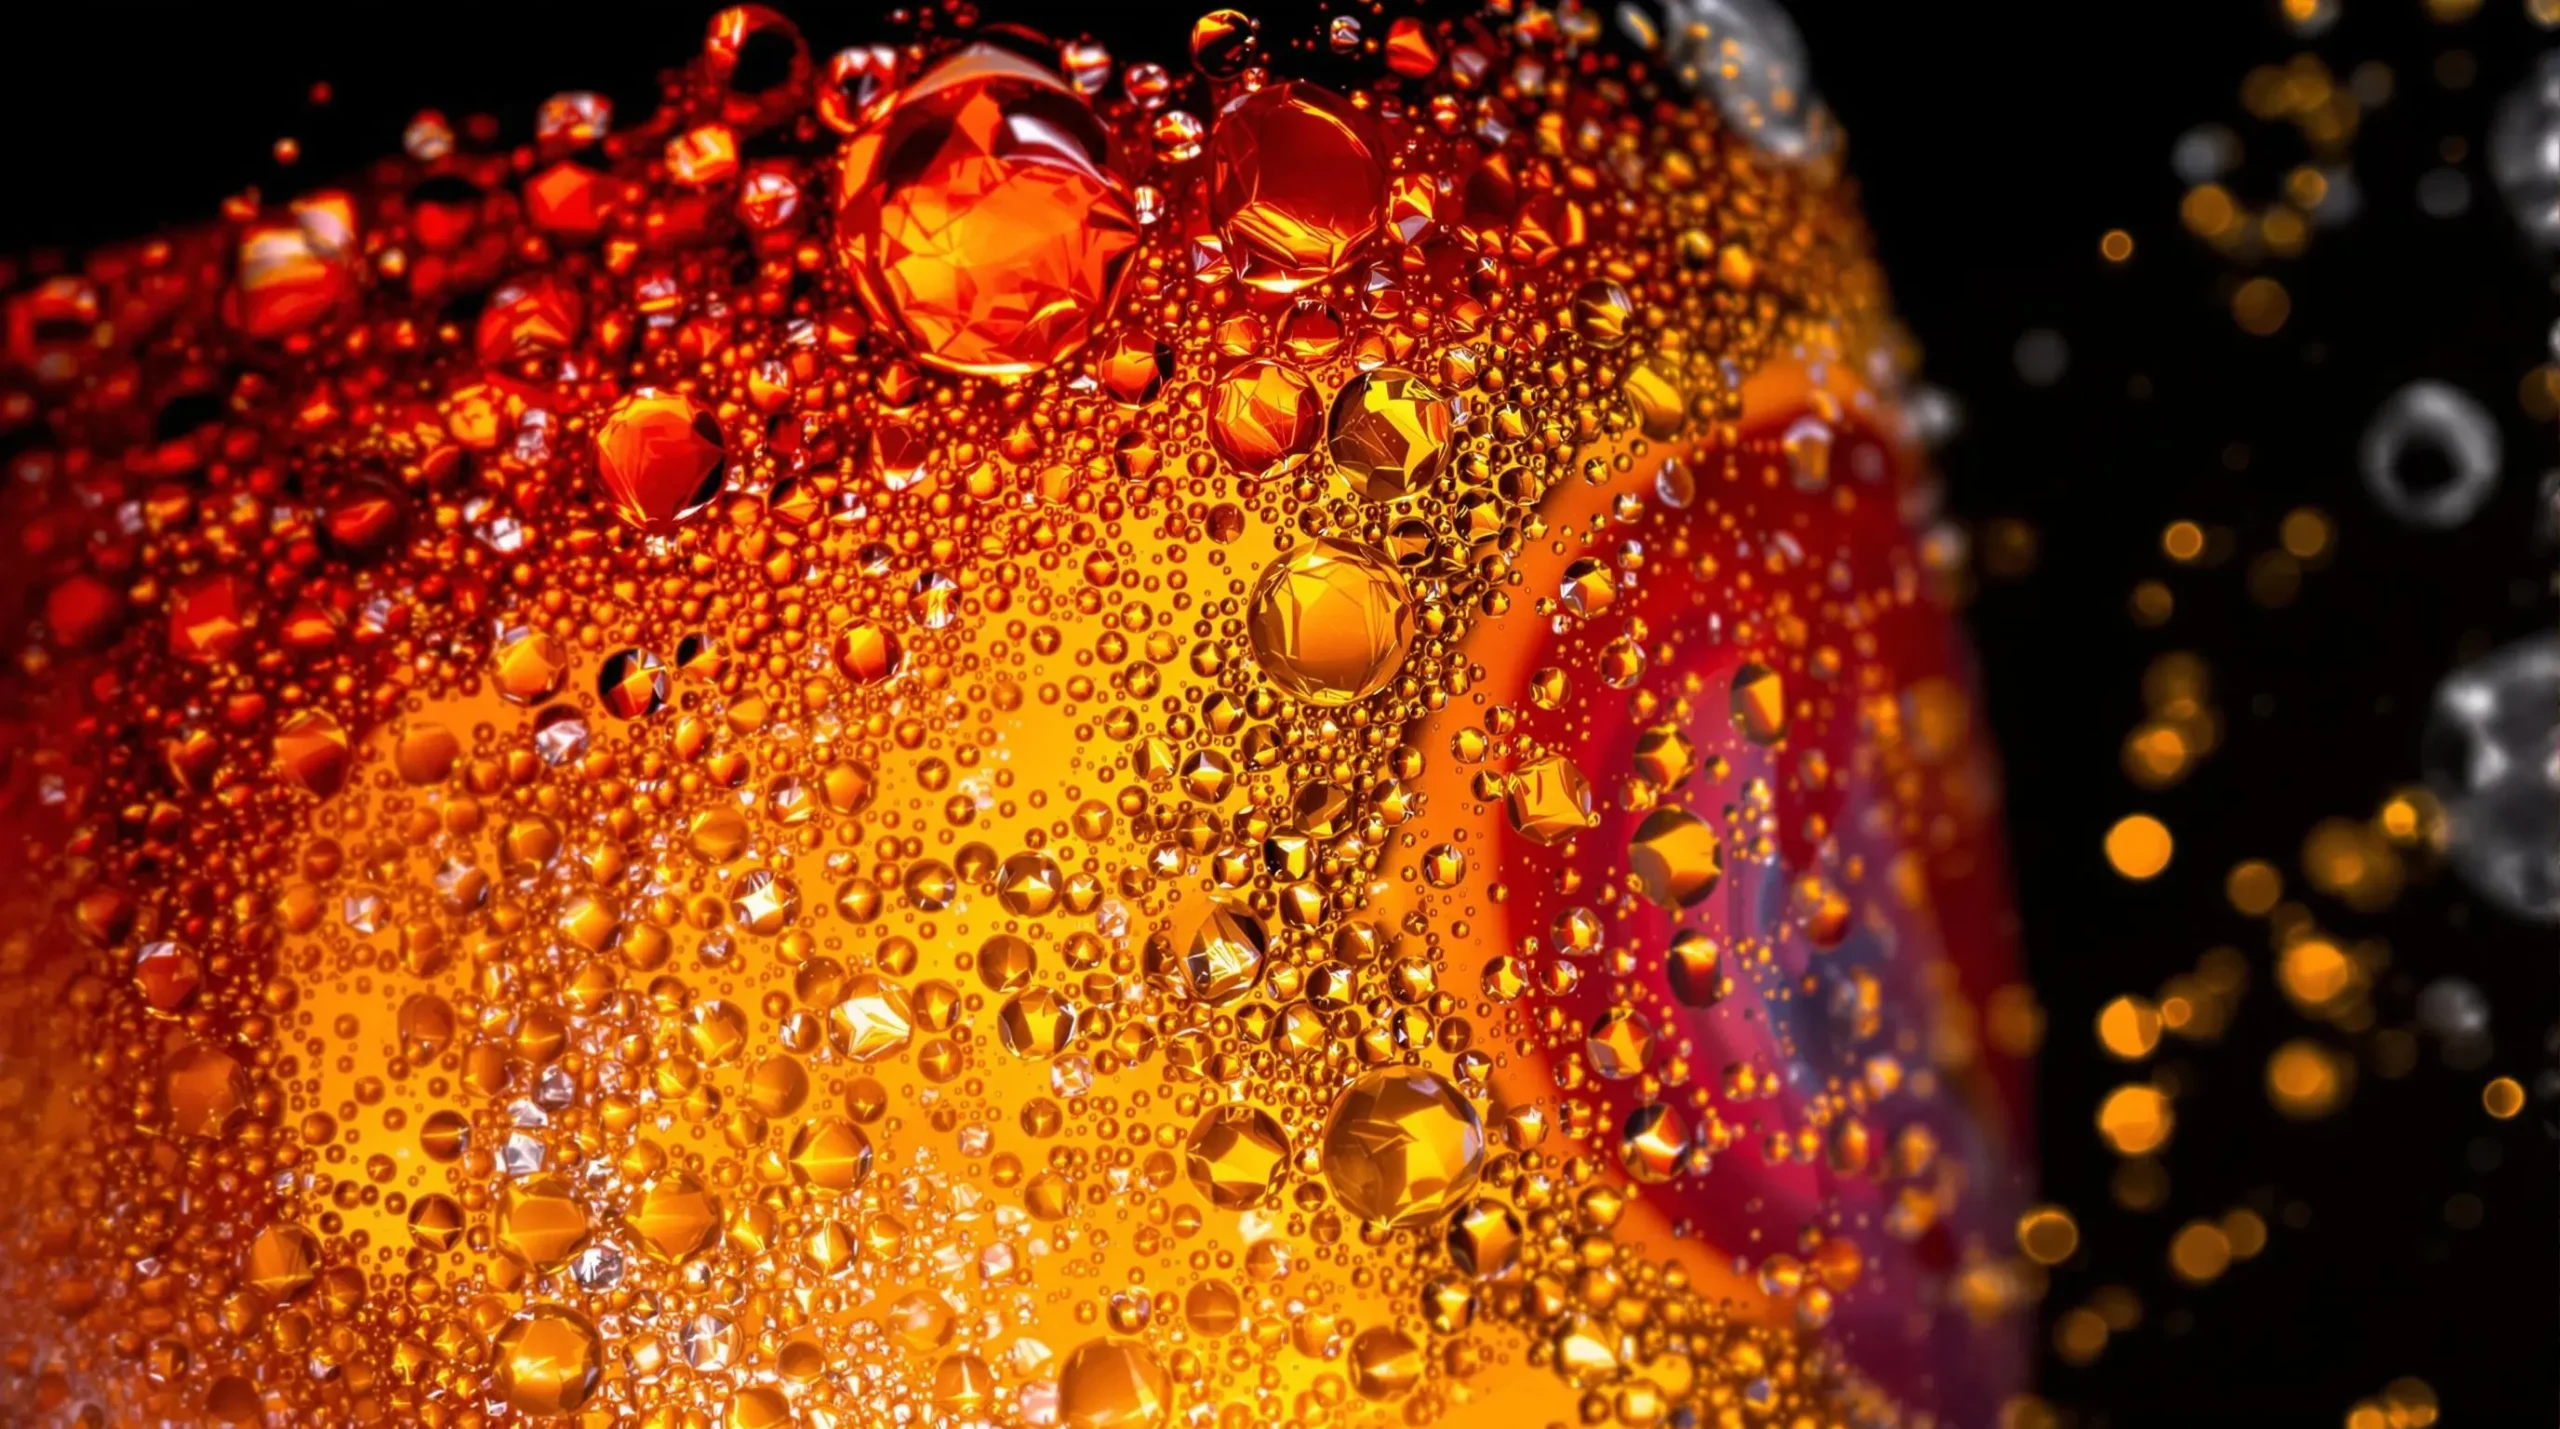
(1994,142)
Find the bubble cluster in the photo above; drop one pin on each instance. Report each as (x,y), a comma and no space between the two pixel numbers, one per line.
(962,733)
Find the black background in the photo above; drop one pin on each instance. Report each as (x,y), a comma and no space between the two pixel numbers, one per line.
(1994,143)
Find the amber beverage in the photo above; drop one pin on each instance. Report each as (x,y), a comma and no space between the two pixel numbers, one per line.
(1258,727)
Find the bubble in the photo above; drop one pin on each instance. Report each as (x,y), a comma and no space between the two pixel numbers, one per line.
(1024,204)
(1401,1147)
(549,1360)
(2492,755)
(2205,153)
(2452,1007)
(1236,1155)
(2524,153)
(1673,486)
(2341,197)
(661,458)
(1933,415)
(1331,622)
(1296,183)
(2428,422)
(2444,193)
(2042,357)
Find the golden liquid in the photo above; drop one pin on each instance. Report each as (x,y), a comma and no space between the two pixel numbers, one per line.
(1198,878)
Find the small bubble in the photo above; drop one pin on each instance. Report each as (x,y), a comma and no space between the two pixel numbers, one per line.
(2431,455)
(2042,357)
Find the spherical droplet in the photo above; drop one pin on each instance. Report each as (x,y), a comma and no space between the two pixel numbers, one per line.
(874,1020)
(1296,183)
(1113,1384)
(1005,963)
(168,974)
(674,1215)
(1484,1239)
(830,1154)
(1224,958)
(1548,800)
(868,654)
(1695,967)
(1389,434)
(549,1361)
(1601,312)
(531,665)
(856,86)
(1263,413)
(206,1088)
(1652,1143)
(979,218)
(1401,1147)
(1331,622)
(1759,704)
(1235,1156)
(1385,1362)
(282,1261)
(1223,43)
(2139,846)
(426,753)
(311,751)
(1036,1023)
(632,683)
(2048,1235)
(1621,1044)
(1134,367)
(1676,858)
(660,456)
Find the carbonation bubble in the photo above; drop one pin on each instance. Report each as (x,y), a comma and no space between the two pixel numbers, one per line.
(2042,356)
(1331,622)
(1296,183)
(1113,1384)
(980,219)
(1389,434)
(1236,1155)
(660,456)
(1402,1147)
(2205,153)
(2456,1012)
(549,1361)
(2492,756)
(2430,455)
